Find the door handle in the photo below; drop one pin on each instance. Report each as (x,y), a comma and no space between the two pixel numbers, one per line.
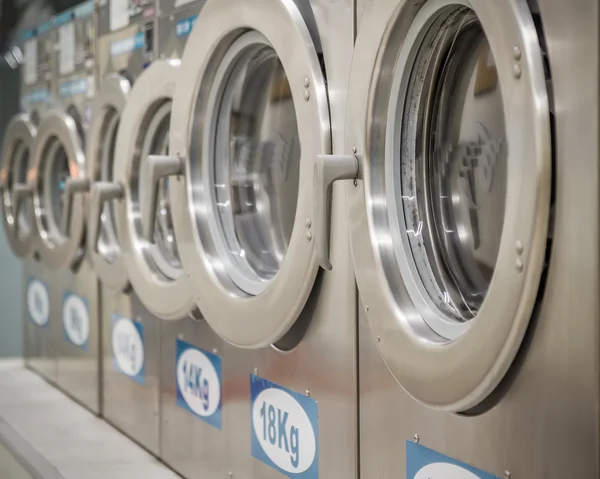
(72,186)
(157,168)
(101,192)
(327,170)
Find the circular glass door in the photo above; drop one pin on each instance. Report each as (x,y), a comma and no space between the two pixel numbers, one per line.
(103,245)
(456,156)
(258,119)
(58,160)
(254,192)
(152,259)
(16,189)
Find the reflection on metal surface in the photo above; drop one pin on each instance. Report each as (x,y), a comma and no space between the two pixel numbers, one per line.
(256,190)
(453,146)
(108,244)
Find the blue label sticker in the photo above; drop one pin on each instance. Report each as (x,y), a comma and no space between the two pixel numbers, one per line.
(128,348)
(285,429)
(45,27)
(425,463)
(38,302)
(73,87)
(87,116)
(39,95)
(127,45)
(198,374)
(64,17)
(28,34)
(184,27)
(76,320)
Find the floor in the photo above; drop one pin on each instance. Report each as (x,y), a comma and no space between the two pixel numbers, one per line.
(53,437)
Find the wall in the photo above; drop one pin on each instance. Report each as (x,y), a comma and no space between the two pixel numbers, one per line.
(11,277)
(11,274)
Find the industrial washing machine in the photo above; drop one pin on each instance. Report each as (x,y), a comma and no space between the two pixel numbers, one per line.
(130,351)
(265,385)
(473,202)
(36,47)
(58,174)
(152,268)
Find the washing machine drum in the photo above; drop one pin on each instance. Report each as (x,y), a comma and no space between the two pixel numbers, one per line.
(17,190)
(450,218)
(59,167)
(250,114)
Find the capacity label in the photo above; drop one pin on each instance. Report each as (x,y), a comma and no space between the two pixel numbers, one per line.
(128,347)
(198,374)
(184,27)
(38,302)
(425,463)
(285,429)
(127,45)
(76,320)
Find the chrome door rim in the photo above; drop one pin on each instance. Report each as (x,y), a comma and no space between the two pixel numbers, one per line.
(167,298)
(456,374)
(107,108)
(241,319)
(57,250)
(20,131)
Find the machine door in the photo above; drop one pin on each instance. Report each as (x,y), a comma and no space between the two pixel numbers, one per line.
(449,120)
(102,240)
(144,218)
(59,172)
(17,191)
(250,115)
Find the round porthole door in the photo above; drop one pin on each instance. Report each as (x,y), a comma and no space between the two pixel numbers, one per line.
(450,123)
(144,218)
(16,188)
(59,172)
(106,192)
(250,115)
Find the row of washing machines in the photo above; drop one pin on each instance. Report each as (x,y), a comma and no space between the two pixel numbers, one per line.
(317,238)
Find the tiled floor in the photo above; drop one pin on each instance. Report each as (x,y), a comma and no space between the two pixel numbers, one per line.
(62,439)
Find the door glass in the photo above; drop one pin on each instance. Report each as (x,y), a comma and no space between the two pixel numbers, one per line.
(256,161)
(155,141)
(107,242)
(453,157)
(19,167)
(55,176)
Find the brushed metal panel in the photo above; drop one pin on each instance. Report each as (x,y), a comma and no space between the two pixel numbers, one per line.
(132,61)
(39,342)
(545,423)
(170,44)
(78,369)
(146,9)
(131,407)
(177,8)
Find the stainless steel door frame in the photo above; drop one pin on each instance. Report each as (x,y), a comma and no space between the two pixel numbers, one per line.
(540,398)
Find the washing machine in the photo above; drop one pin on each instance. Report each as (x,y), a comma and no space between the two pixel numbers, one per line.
(130,351)
(34,48)
(265,384)
(58,161)
(473,223)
